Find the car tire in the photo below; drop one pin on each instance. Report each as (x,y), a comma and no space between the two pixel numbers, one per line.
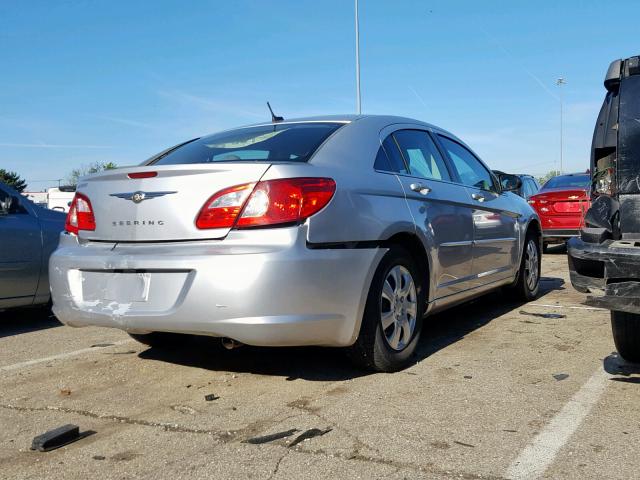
(626,334)
(397,298)
(527,284)
(545,247)
(157,339)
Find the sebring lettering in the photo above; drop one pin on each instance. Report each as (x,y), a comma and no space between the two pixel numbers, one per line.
(135,223)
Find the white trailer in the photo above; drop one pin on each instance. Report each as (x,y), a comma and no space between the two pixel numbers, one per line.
(60,198)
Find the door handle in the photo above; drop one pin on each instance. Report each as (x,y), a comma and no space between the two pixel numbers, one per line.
(478,196)
(420,188)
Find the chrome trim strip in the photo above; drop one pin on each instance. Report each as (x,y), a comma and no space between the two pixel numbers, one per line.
(494,240)
(471,277)
(457,244)
(491,272)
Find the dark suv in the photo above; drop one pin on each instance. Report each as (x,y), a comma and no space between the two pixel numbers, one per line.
(605,260)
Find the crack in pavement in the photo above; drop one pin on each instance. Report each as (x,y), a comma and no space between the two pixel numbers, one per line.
(277,467)
(355,454)
(430,468)
(170,427)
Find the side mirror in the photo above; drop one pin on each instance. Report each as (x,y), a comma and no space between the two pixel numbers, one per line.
(509,183)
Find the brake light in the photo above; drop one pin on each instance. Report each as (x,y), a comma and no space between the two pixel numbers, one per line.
(270,202)
(80,216)
(142,174)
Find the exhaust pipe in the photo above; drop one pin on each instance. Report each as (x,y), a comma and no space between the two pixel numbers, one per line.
(230,343)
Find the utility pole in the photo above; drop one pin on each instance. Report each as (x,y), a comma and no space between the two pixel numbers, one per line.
(560,82)
(358,100)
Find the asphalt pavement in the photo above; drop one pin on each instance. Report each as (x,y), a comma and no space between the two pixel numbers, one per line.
(498,390)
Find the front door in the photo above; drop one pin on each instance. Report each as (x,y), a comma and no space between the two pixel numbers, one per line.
(495,237)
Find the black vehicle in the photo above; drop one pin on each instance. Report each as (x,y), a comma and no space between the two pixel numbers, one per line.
(605,260)
(530,185)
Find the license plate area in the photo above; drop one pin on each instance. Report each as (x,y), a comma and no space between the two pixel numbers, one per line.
(128,287)
(140,290)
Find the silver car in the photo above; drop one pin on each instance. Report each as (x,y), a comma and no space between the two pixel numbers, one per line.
(337,231)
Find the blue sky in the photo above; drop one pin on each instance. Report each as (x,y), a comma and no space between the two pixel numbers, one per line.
(84,81)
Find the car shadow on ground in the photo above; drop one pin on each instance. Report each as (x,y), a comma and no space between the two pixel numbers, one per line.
(556,249)
(614,364)
(24,320)
(332,364)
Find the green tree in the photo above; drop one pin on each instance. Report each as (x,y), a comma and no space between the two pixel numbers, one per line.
(76,173)
(553,173)
(13,180)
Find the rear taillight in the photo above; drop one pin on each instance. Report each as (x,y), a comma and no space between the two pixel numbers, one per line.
(222,209)
(270,202)
(80,216)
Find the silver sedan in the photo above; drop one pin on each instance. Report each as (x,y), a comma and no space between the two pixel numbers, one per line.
(337,231)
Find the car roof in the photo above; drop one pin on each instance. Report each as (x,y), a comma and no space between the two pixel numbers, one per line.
(516,174)
(375,121)
(348,118)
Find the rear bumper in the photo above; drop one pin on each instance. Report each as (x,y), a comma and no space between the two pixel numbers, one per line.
(608,271)
(559,235)
(259,287)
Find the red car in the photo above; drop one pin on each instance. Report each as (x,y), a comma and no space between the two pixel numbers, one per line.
(561,204)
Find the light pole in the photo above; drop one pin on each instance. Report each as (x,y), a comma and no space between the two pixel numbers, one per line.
(560,82)
(358,101)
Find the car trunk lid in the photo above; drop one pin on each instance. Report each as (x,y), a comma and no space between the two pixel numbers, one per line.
(163,206)
(570,202)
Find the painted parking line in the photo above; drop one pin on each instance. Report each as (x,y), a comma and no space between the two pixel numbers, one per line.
(75,353)
(536,457)
(575,307)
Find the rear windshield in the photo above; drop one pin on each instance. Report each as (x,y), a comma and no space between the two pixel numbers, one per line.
(579,181)
(267,143)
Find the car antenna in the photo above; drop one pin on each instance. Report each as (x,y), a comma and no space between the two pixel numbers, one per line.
(274,117)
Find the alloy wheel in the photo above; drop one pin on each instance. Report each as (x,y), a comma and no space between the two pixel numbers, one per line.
(398,307)
(531,265)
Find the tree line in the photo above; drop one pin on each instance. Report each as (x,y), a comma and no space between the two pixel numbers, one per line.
(15,181)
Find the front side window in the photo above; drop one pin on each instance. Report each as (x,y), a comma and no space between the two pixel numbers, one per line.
(471,172)
(421,155)
(282,142)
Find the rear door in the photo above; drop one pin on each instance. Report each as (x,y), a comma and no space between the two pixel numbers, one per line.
(20,248)
(495,239)
(434,203)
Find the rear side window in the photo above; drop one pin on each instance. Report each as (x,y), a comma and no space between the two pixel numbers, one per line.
(568,181)
(272,143)
(471,172)
(389,158)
